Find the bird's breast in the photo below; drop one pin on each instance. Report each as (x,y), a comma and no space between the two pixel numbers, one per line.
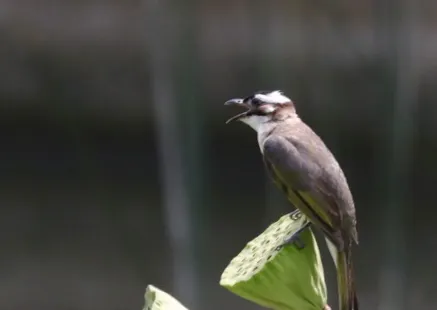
(263,133)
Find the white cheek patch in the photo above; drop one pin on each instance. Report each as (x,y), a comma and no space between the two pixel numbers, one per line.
(273,97)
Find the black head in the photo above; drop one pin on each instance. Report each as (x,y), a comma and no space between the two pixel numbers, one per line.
(262,103)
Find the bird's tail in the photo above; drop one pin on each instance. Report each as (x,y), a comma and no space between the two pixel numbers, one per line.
(345,277)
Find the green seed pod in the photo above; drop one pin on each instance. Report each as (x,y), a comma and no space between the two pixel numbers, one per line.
(160,300)
(279,276)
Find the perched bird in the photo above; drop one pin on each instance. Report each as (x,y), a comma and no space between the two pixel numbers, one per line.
(303,167)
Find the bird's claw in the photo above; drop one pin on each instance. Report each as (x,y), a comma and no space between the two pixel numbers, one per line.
(295,238)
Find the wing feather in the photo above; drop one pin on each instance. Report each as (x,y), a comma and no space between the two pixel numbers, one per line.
(301,178)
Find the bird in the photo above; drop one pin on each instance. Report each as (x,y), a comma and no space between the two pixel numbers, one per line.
(304,168)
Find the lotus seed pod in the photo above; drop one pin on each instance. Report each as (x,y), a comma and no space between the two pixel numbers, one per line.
(279,276)
(157,299)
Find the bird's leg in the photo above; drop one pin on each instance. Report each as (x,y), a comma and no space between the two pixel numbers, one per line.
(295,238)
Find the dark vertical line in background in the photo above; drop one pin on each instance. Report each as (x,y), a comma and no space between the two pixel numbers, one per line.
(161,32)
(396,21)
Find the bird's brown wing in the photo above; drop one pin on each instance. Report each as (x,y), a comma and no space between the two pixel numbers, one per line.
(298,173)
(314,183)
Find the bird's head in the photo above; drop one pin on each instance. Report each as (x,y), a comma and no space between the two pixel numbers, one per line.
(262,107)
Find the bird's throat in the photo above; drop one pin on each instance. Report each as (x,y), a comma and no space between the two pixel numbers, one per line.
(256,122)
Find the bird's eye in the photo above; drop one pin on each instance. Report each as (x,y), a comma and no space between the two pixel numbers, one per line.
(256,101)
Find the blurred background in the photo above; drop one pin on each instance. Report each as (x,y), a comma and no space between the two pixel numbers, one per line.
(117,169)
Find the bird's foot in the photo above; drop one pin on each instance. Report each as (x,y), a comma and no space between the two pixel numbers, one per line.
(295,238)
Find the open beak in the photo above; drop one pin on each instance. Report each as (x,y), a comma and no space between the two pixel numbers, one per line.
(237,102)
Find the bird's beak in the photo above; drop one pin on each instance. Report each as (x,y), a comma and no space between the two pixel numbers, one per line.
(237,102)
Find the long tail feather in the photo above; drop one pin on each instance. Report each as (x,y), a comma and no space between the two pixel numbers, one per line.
(345,279)
(348,299)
